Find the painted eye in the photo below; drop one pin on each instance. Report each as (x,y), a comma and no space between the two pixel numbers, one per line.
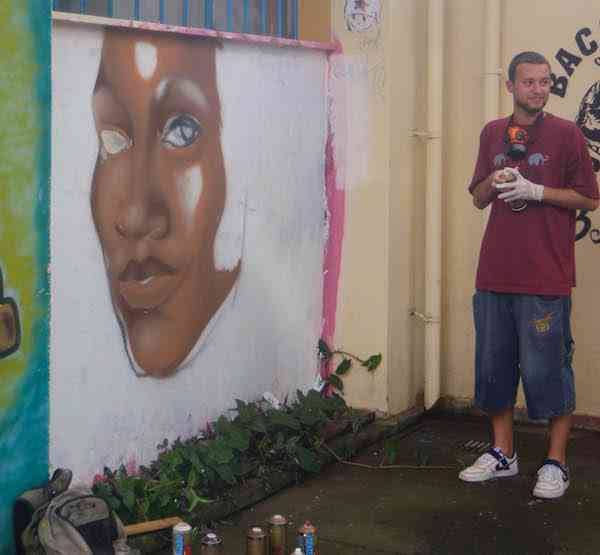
(113,142)
(180,131)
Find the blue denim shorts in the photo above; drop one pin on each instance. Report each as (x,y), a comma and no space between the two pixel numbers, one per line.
(528,337)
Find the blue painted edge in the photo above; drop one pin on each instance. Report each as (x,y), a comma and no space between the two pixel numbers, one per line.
(279,19)
(137,10)
(110,8)
(185,14)
(246,19)
(28,418)
(161,11)
(263,17)
(295,19)
(209,21)
(39,365)
(229,23)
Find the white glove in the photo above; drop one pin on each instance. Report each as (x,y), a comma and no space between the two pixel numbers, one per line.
(519,189)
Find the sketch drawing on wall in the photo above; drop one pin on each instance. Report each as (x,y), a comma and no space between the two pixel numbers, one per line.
(10,327)
(588,120)
(158,195)
(362,15)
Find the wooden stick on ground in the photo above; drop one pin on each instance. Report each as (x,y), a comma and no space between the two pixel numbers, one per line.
(151,526)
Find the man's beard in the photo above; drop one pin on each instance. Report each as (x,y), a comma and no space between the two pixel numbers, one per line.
(529,110)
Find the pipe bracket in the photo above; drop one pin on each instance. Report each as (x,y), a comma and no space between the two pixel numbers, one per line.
(425,317)
(424,135)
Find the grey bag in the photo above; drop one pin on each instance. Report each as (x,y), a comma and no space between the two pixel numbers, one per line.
(77,522)
(60,521)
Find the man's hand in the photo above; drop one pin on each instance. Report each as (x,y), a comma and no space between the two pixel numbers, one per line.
(519,188)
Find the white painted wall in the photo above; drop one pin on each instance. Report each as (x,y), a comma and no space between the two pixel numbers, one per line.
(274,128)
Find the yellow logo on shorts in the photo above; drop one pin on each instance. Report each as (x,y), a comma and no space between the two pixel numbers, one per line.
(543,324)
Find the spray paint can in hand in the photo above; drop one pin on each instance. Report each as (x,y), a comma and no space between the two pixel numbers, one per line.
(277,535)
(211,544)
(256,541)
(307,539)
(182,539)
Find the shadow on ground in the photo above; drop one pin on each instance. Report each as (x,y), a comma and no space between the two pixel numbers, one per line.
(419,511)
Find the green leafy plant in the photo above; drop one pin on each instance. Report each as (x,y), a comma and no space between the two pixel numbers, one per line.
(189,475)
(326,354)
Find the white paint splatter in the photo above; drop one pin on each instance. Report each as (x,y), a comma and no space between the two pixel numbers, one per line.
(161,89)
(190,186)
(185,87)
(194,92)
(145,59)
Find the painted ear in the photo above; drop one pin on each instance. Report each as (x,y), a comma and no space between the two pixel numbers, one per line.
(10,329)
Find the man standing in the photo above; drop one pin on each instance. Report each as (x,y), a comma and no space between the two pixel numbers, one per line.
(535,170)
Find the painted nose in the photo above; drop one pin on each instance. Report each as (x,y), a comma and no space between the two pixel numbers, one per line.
(144,213)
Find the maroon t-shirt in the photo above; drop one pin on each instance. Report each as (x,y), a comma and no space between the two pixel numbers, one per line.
(533,251)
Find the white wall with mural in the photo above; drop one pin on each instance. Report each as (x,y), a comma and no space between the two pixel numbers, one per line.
(187,235)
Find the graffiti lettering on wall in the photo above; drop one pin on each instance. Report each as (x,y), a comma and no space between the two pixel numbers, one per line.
(10,327)
(158,195)
(586,46)
(588,116)
(587,228)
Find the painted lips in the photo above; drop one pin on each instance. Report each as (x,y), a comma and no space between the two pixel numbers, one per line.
(146,285)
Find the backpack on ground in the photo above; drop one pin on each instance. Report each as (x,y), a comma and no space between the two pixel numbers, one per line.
(65,521)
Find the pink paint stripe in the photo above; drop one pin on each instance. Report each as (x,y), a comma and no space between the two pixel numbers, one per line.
(191,31)
(336,204)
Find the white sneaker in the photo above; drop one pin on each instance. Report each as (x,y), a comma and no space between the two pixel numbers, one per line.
(491,465)
(552,481)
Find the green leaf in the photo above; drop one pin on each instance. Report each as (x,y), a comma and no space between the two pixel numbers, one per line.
(391,450)
(307,460)
(259,425)
(372,362)
(222,425)
(225,473)
(129,499)
(336,382)
(343,367)
(113,502)
(280,418)
(309,418)
(219,453)
(237,438)
(193,478)
(324,350)
(194,499)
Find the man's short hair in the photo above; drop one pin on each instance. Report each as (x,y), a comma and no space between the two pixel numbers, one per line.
(525,58)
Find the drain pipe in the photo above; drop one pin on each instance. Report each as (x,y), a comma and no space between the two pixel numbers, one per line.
(433,200)
(492,71)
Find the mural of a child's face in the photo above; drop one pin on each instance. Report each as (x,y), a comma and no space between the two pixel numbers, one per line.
(158,192)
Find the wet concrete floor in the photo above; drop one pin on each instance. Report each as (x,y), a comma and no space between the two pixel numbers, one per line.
(420,511)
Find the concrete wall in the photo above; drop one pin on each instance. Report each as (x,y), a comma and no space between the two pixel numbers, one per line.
(235,212)
(383,256)
(24,294)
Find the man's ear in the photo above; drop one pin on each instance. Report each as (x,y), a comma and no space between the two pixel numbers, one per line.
(509,86)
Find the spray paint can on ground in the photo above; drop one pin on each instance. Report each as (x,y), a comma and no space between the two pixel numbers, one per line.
(182,539)
(277,535)
(211,544)
(256,541)
(307,539)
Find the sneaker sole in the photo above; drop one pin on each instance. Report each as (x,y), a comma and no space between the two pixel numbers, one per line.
(496,477)
(549,494)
